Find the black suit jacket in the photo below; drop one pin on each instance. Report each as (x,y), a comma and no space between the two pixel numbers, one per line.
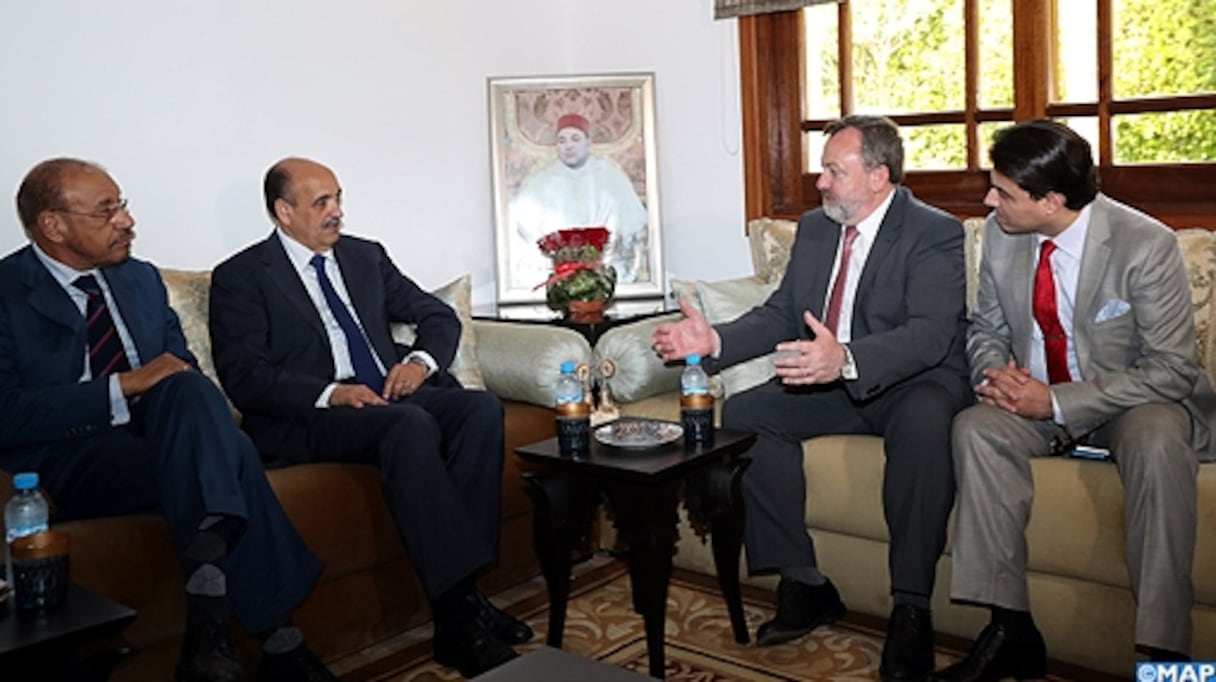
(272,353)
(43,341)
(908,314)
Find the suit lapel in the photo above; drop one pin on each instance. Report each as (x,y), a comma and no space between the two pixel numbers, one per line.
(48,298)
(884,242)
(360,276)
(1094,260)
(1021,265)
(125,292)
(283,274)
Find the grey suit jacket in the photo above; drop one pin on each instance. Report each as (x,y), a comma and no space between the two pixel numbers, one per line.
(908,313)
(1132,324)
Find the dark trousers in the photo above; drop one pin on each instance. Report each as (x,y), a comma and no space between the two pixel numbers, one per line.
(914,420)
(183,456)
(439,452)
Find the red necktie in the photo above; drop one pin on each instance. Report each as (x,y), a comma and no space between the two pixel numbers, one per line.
(1055,341)
(832,318)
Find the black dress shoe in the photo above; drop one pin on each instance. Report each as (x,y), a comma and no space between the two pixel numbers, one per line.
(470,648)
(800,609)
(908,651)
(1001,651)
(506,627)
(298,665)
(207,654)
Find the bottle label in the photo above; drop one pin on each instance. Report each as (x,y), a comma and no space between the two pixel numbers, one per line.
(698,426)
(573,434)
(698,401)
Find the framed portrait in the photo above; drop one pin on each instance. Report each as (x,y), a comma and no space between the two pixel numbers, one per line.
(569,152)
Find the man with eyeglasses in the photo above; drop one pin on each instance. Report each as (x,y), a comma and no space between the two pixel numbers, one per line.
(100,395)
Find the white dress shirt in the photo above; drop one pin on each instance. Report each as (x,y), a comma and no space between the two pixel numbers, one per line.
(301,257)
(1066,271)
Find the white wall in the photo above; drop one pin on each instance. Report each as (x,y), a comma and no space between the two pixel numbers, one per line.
(187,104)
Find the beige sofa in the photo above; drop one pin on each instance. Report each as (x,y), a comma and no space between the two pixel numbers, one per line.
(1078,579)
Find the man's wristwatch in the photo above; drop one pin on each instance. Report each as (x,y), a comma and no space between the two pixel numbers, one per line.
(848,371)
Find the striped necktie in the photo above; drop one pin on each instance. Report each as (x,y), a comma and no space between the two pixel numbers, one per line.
(106,354)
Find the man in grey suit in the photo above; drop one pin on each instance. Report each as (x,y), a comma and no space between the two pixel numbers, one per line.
(1082,334)
(869,323)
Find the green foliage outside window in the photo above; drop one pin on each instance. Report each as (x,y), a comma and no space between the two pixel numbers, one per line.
(908,57)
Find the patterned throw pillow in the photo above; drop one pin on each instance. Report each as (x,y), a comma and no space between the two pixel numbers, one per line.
(459,295)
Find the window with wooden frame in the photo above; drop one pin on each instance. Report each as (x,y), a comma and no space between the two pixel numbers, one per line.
(1136,78)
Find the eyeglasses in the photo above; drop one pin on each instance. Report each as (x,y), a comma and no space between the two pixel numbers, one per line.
(106,213)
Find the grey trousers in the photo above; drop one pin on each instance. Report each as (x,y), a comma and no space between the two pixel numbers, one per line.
(1151,446)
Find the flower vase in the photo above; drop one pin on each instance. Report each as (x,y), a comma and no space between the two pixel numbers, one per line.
(585,312)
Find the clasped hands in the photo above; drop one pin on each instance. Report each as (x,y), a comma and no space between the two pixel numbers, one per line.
(798,363)
(402,380)
(1011,388)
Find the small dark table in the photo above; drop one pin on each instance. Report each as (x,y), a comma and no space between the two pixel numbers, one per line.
(554,665)
(642,487)
(42,644)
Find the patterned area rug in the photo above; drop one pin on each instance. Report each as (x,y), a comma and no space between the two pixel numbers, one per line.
(601,624)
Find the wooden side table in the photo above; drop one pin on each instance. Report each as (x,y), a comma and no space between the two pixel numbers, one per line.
(43,646)
(643,487)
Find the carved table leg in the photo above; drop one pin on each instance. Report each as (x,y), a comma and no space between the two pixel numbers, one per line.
(563,510)
(713,496)
(646,519)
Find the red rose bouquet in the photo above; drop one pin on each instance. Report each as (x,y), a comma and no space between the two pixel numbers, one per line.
(579,272)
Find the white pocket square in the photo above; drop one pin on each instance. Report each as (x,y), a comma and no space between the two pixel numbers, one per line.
(1113,308)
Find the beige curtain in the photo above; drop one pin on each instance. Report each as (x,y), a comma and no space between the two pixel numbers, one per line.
(738,8)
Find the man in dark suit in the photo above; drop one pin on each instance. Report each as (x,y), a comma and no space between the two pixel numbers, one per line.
(302,344)
(868,323)
(1082,333)
(100,396)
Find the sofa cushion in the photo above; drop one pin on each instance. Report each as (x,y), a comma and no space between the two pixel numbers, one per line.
(501,345)
(458,294)
(626,364)
(723,301)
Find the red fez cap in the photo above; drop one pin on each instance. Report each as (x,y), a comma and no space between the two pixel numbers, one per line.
(574,121)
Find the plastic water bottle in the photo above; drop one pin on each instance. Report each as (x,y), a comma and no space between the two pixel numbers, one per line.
(573,413)
(25,514)
(696,403)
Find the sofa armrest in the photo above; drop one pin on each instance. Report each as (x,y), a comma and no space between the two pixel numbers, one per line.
(520,361)
(625,361)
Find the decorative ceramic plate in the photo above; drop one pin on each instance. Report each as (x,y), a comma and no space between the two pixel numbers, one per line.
(633,432)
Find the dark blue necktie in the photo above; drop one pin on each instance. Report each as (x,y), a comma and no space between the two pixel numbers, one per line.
(366,371)
(106,354)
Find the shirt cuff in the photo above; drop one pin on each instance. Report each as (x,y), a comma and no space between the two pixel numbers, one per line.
(425,358)
(717,352)
(1057,415)
(120,412)
(323,399)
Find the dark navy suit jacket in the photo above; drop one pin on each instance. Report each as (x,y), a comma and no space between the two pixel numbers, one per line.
(271,350)
(42,342)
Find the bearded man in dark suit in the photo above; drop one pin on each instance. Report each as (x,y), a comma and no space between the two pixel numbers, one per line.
(302,344)
(869,324)
(100,395)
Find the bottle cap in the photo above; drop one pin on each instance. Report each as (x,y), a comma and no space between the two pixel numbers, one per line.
(25,481)
(567,368)
(693,359)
